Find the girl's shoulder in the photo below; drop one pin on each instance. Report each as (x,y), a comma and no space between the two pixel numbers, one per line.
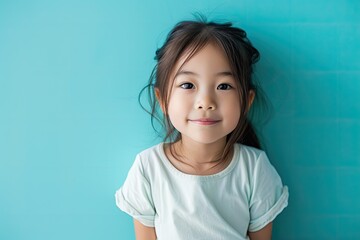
(250,157)
(155,151)
(150,148)
(248,152)
(150,158)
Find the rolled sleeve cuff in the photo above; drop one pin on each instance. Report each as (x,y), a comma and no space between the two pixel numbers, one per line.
(126,207)
(261,222)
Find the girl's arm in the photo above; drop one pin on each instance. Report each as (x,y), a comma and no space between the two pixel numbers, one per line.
(262,234)
(143,232)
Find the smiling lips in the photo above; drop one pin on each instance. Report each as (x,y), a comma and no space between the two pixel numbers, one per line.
(204,121)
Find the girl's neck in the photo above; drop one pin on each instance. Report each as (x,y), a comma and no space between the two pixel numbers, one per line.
(200,153)
(198,158)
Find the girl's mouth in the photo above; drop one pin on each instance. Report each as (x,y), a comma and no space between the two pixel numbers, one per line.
(204,121)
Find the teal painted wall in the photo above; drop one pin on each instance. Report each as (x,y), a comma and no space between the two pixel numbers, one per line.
(70,124)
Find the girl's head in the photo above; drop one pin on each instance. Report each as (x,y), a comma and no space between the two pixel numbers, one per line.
(175,69)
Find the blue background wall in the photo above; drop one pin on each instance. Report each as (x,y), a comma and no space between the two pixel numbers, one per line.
(70,124)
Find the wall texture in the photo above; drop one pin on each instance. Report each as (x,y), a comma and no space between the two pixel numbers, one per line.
(70,123)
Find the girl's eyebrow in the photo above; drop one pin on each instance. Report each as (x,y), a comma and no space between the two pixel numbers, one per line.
(219,74)
(184,72)
(224,73)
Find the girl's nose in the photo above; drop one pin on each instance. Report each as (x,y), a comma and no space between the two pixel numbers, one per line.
(205,102)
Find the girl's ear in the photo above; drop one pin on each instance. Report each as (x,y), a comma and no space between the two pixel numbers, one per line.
(251,98)
(158,98)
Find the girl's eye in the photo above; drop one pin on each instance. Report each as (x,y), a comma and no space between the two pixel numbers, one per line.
(224,86)
(187,85)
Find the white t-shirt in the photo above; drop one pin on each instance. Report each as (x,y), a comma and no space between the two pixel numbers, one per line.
(245,196)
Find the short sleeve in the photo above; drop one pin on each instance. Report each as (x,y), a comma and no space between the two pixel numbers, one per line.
(134,197)
(268,197)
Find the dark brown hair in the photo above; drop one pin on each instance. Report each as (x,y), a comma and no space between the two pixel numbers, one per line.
(190,37)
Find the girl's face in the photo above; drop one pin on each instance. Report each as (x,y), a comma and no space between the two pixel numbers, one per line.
(204,102)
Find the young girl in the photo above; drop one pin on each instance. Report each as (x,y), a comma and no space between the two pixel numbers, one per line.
(208,179)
